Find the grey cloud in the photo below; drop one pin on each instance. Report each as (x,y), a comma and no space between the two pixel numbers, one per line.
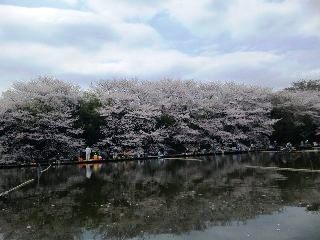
(87,36)
(315,4)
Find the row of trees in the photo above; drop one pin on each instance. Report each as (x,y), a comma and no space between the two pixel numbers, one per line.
(44,116)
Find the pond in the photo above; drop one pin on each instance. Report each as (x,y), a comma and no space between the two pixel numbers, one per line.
(217,197)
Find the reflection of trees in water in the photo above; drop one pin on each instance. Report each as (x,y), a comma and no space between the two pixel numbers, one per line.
(128,199)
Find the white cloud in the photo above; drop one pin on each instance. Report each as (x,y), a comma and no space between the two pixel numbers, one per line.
(312,26)
(123,9)
(227,40)
(71,2)
(258,17)
(17,15)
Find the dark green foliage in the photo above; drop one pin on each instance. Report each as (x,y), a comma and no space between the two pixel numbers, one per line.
(37,108)
(292,127)
(89,119)
(305,85)
(166,120)
(297,110)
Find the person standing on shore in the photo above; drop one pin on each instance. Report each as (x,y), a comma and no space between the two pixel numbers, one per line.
(88,153)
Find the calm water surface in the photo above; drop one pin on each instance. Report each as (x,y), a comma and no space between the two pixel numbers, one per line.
(203,198)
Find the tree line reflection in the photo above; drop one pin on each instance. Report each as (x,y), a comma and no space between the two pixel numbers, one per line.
(131,199)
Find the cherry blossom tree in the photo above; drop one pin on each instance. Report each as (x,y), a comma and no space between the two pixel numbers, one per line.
(37,120)
(183,114)
(130,118)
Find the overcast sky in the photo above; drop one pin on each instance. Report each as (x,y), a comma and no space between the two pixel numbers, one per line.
(261,42)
